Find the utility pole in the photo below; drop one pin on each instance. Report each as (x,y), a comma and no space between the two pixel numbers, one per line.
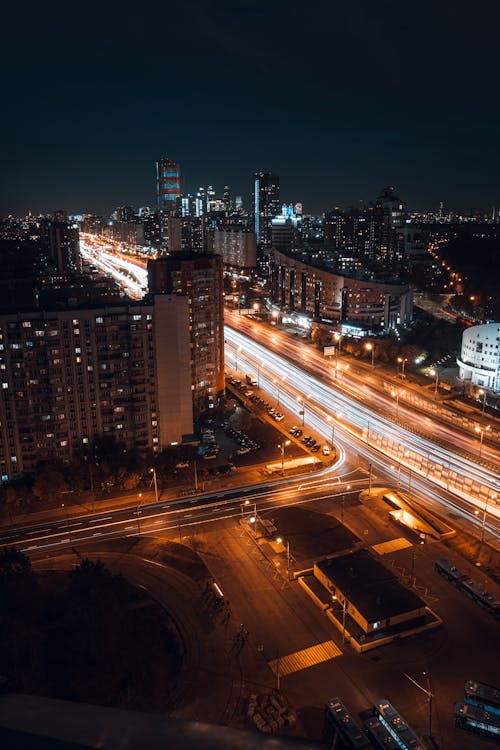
(195,475)
(430,696)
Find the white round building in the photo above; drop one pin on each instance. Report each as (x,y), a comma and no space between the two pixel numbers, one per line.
(479,359)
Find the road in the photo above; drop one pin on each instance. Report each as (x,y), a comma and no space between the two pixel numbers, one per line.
(349,412)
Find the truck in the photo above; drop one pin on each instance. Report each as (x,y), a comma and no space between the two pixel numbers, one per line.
(251,379)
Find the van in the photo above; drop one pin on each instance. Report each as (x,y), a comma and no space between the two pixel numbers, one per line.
(251,379)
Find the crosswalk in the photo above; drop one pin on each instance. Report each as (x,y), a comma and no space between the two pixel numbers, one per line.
(307,657)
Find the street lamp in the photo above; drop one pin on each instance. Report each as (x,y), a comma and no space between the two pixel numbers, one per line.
(396,395)
(435,373)
(279,540)
(236,351)
(348,487)
(138,512)
(258,373)
(302,412)
(370,348)
(481,431)
(338,338)
(282,447)
(331,419)
(482,393)
(153,472)
(277,384)
(483,525)
(402,361)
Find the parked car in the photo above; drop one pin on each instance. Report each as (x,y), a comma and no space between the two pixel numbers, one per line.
(243,451)
(293,430)
(326,450)
(298,433)
(182,465)
(315,448)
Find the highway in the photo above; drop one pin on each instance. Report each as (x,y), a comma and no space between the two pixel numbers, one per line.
(385,395)
(131,275)
(365,429)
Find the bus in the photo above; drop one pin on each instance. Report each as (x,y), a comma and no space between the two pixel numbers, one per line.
(484,696)
(404,736)
(477,719)
(339,724)
(472,589)
(380,737)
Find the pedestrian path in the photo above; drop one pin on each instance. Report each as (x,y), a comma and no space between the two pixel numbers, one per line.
(307,657)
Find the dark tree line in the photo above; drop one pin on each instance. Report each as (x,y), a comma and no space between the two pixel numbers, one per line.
(89,641)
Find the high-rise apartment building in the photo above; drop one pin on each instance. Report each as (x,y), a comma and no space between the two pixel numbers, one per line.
(236,245)
(69,377)
(199,279)
(266,205)
(168,185)
(64,244)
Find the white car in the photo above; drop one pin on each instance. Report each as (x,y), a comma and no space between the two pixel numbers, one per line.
(326,450)
(278,417)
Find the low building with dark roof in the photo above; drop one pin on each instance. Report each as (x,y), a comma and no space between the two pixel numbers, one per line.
(368,592)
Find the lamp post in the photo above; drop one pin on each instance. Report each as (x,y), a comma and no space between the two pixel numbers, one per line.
(236,351)
(279,540)
(402,361)
(370,348)
(153,471)
(338,338)
(481,431)
(282,447)
(138,512)
(482,393)
(436,374)
(396,395)
(342,505)
(276,383)
(331,419)
(302,412)
(483,525)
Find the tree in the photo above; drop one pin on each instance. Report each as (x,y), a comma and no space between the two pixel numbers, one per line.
(49,483)
(18,587)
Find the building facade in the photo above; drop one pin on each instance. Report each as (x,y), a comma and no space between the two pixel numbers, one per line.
(237,247)
(64,245)
(330,297)
(479,360)
(199,279)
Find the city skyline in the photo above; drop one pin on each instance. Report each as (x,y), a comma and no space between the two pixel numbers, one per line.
(338,102)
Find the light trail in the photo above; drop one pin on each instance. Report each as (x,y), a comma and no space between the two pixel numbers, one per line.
(359,425)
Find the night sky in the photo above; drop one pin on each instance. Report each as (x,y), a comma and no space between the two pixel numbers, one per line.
(338,99)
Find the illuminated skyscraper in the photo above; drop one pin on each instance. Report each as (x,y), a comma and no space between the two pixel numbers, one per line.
(266,205)
(168,184)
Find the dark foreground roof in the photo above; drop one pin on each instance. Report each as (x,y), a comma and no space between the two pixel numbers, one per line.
(29,722)
(369,585)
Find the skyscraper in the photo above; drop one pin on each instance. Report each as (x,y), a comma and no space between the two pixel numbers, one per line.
(266,205)
(168,184)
